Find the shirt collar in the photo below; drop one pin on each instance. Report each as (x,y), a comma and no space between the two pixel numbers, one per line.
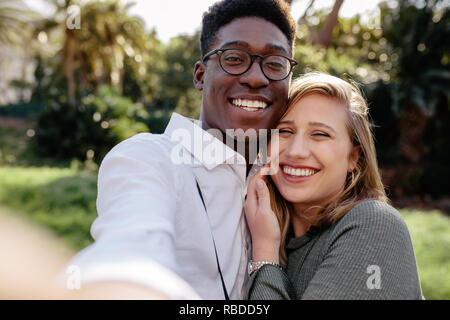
(206,149)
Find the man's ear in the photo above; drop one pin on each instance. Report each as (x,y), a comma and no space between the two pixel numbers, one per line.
(353,158)
(199,74)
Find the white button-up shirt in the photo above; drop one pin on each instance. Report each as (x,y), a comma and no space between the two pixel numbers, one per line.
(152,227)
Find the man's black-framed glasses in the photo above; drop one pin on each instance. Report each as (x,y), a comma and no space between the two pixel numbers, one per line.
(238,61)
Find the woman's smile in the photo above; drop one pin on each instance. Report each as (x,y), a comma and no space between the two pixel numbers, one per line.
(297,173)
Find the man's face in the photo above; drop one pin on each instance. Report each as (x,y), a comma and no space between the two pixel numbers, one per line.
(225,96)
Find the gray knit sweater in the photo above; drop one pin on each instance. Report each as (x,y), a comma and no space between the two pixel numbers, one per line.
(368,254)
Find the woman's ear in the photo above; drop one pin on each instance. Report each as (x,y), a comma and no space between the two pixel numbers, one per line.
(199,74)
(353,158)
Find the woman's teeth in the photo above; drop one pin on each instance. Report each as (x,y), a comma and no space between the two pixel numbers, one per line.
(249,105)
(298,172)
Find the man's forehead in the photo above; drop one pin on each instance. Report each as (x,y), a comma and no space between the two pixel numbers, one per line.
(252,33)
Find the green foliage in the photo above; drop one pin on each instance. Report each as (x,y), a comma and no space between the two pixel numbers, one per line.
(89,130)
(430,233)
(14,22)
(13,143)
(401,58)
(179,93)
(142,74)
(61,199)
(15,148)
(158,120)
(28,111)
(356,50)
(435,179)
(417,34)
(110,48)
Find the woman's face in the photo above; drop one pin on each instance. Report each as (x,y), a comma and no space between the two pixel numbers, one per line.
(315,151)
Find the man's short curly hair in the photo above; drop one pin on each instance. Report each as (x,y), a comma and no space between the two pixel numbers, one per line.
(223,12)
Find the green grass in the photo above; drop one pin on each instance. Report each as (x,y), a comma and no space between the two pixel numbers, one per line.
(61,199)
(430,233)
(64,201)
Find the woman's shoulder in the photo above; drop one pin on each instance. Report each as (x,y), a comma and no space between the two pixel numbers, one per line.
(373,211)
(373,217)
(372,235)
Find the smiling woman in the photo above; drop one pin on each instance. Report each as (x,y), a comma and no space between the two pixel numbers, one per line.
(325,214)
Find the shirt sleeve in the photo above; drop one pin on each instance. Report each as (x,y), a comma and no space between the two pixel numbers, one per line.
(134,231)
(370,256)
(269,283)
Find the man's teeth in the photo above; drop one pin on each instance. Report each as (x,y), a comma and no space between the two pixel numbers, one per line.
(299,172)
(249,105)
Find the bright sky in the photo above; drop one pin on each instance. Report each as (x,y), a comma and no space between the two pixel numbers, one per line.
(173,17)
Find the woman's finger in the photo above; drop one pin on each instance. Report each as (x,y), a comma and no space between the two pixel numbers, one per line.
(263,196)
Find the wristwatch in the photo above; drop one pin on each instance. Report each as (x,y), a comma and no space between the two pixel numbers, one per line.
(254,266)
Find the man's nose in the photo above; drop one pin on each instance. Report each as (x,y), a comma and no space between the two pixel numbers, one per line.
(254,77)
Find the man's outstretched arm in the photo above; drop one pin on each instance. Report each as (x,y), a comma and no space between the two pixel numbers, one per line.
(135,229)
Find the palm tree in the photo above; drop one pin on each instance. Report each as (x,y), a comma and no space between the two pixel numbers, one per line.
(95,54)
(109,36)
(15,18)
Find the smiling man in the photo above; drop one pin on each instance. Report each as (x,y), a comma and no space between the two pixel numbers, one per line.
(175,227)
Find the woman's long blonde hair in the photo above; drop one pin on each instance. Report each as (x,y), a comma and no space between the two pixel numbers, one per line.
(364,182)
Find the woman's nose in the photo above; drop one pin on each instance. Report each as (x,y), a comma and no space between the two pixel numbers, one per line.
(298,147)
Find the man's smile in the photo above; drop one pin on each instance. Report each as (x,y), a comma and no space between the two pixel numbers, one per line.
(250,103)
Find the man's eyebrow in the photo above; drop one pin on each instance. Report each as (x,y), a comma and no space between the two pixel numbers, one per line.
(236,43)
(244,44)
(321,124)
(276,47)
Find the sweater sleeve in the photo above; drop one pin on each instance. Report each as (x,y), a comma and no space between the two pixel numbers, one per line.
(369,256)
(269,283)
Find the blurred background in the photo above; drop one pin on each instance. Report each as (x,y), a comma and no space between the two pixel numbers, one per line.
(78,77)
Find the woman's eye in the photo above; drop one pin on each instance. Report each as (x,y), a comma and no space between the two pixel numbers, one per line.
(284,131)
(320,134)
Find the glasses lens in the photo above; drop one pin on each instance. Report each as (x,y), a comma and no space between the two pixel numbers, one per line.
(276,67)
(235,61)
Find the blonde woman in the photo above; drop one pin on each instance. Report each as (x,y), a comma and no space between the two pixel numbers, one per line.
(321,224)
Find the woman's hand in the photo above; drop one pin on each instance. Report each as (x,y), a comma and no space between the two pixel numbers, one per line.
(262,222)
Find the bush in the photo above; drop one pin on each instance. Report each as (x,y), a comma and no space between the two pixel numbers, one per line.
(22,110)
(90,129)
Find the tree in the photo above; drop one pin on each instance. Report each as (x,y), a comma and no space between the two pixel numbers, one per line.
(95,54)
(15,18)
(417,33)
(323,35)
(179,92)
